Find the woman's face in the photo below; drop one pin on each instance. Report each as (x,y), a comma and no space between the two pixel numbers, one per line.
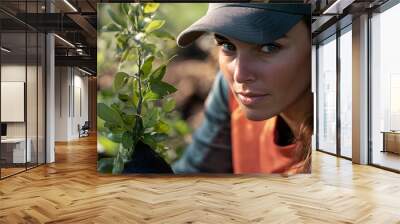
(267,79)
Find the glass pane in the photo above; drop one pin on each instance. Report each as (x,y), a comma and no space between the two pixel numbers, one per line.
(345,94)
(31,97)
(14,152)
(327,96)
(22,79)
(41,99)
(32,85)
(386,89)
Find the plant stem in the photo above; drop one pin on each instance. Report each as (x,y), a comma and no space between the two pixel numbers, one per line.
(138,121)
(139,107)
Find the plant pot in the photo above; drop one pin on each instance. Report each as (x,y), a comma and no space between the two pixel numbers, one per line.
(146,160)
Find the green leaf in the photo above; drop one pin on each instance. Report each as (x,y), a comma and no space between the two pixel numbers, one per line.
(122,42)
(182,127)
(112,27)
(130,120)
(149,140)
(115,106)
(123,97)
(110,125)
(151,48)
(129,110)
(151,96)
(148,130)
(163,35)
(159,73)
(125,8)
(110,147)
(154,25)
(116,18)
(162,127)
(127,140)
(159,137)
(147,66)
(169,105)
(120,80)
(108,114)
(115,136)
(151,7)
(100,123)
(151,118)
(131,15)
(106,93)
(105,165)
(162,88)
(135,94)
(127,52)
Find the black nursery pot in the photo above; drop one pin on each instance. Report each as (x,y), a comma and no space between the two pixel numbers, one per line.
(146,160)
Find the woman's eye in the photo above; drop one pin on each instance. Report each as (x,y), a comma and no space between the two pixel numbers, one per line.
(227,46)
(270,48)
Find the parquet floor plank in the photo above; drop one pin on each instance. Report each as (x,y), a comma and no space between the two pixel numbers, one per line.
(71,191)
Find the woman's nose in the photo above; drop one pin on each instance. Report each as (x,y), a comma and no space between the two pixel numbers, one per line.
(243,72)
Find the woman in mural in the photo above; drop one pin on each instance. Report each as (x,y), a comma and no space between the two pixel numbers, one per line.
(258,116)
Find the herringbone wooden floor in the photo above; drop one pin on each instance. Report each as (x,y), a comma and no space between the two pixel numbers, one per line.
(71,191)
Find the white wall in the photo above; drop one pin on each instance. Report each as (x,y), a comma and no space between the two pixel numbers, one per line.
(12,73)
(61,103)
(80,110)
(13,101)
(71,93)
(33,126)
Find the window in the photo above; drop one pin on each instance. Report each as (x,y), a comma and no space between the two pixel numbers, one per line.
(346,92)
(385,88)
(327,95)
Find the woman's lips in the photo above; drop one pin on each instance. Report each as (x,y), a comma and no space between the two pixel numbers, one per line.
(249,99)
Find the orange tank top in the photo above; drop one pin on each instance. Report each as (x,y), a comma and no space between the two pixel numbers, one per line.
(253,146)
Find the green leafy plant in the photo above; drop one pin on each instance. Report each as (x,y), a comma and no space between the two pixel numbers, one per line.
(138,107)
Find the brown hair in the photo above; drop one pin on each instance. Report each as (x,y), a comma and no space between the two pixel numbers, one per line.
(304,148)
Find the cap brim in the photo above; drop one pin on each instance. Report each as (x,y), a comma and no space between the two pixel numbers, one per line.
(252,25)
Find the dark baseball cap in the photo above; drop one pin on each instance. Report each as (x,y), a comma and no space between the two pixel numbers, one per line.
(257,23)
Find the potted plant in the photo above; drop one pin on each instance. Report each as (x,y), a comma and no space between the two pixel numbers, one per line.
(134,119)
